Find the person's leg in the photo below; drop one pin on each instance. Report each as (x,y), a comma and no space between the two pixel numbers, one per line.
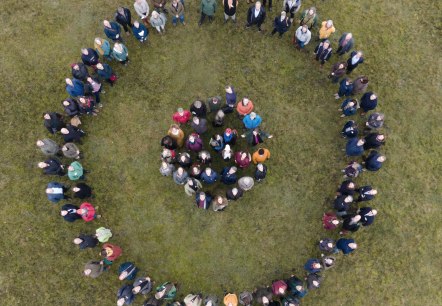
(211,18)
(125,27)
(226,17)
(281,33)
(270,5)
(234,18)
(145,21)
(174,20)
(203,16)
(163,29)
(158,29)
(259,26)
(274,31)
(97,97)
(339,51)
(292,14)
(182,19)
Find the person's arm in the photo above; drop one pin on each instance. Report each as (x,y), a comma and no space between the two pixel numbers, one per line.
(309,36)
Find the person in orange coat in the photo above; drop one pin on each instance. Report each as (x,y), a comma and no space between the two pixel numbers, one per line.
(244,107)
(176,133)
(230,299)
(110,252)
(260,156)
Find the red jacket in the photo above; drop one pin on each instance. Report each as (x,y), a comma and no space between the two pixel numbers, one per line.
(89,215)
(116,251)
(242,163)
(182,118)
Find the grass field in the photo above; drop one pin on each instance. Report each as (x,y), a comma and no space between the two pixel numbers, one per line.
(273,230)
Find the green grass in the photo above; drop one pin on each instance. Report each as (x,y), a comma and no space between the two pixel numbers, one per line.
(273,229)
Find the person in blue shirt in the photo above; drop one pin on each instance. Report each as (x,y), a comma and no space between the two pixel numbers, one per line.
(228,175)
(349,107)
(374,161)
(209,176)
(105,73)
(112,30)
(252,121)
(125,295)
(367,215)
(296,286)
(55,192)
(140,31)
(345,88)
(230,99)
(354,147)
(350,129)
(74,87)
(217,142)
(127,271)
(346,245)
(313,265)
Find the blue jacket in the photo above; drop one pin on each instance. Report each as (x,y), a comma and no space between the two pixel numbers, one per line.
(344,89)
(126,293)
(308,265)
(281,26)
(231,97)
(106,73)
(209,179)
(137,32)
(350,129)
(348,110)
(352,148)
(348,46)
(55,197)
(371,162)
(350,66)
(342,244)
(77,89)
(251,124)
(322,54)
(130,268)
(226,178)
(206,203)
(366,220)
(366,103)
(113,32)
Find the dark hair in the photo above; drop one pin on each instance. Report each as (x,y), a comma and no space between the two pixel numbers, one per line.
(261,151)
(103,253)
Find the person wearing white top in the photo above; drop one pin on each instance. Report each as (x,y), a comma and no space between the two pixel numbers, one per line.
(292,6)
(302,37)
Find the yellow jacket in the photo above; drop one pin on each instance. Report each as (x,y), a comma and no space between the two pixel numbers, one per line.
(325,32)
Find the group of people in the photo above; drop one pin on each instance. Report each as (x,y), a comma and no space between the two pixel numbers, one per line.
(188,159)
(191,161)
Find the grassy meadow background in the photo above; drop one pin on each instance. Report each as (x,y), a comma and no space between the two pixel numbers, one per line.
(273,230)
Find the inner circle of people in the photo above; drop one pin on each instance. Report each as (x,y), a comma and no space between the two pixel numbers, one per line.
(86,87)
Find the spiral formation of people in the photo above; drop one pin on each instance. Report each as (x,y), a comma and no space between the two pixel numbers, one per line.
(215,162)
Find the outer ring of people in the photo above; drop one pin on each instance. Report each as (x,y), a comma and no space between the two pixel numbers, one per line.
(348,212)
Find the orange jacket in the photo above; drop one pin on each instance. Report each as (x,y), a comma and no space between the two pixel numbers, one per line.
(244,109)
(257,158)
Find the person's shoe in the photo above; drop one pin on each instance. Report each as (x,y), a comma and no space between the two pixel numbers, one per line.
(225,20)
(184,23)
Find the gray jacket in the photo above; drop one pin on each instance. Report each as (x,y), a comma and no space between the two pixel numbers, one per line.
(50,147)
(70,150)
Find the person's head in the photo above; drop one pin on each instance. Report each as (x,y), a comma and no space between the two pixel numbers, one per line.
(299,288)
(219,199)
(106,252)
(228,89)
(348,199)
(283,14)
(220,114)
(361,142)
(373,192)
(175,129)
(232,170)
(349,36)
(341,66)
(202,196)
(203,155)
(380,117)
(183,157)
(76,189)
(335,222)
(106,23)
(190,181)
(63,212)
(315,283)
(243,155)
(351,185)
(373,96)
(139,1)
(373,212)
(261,151)
(99,66)
(247,180)
(155,14)
(197,104)
(260,167)
(49,190)
(84,51)
(245,101)
(82,100)
(136,289)
(228,131)
(75,67)
(265,301)
(227,148)
(351,103)
(97,40)
(120,10)
(69,82)
(329,23)
(364,80)
(353,245)
(175,1)
(208,171)
(304,28)
(70,168)
(359,54)
(326,44)
(118,47)
(258,5)
(180,171)
(136,24)
(192,138)
(42,165)
(40,143)
(328,261)
(382,158)
(78,240)
(311,10)
(66,103)
(316,265)
(252,115)
(196,120)
(180,111)
(235,191)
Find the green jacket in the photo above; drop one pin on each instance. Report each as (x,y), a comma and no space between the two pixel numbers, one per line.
(77,172)
(120,56)
(208,7)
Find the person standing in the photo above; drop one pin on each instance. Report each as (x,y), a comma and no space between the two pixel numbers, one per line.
(203,200)
(260,156)
(292,6)
(70,150)
(346,245)
(375,121)
(228,175)
(244,107)
(69,212)
(234,194)
(104,71)
(354,147)
(356,58)
(112,30)
(48,147)
(350,129)
(337,71)
(93,269)
(79,71)
(246,183)
(230,10)
(369,101)
(103,234)
(125,295)
(74,87)
(252,121)
(72,134)
(177,12)
(366,193)
(160,6)
(52,166)
(345,88)
(349,107)
(230,99)
(123,17)
(70,107)
(158,21)
(55,192)
(167,169)
(209,176)
(110,252)
(302,37)
(260,172)
(214,104)
(199,125)
(326,30)
(87,212)
(255,136)
(207,8)
(323,52)
(181,116)
(194,143)
(367,215)
(76,171)
(360,84)
(309,18)
(192,186)
(256,15)
(219,203)
(82,191)
(86,241)
(120,53)
(89,57)
(198,109)
(140,31)
(374,141)
(103,48)
(180,176)
(346,43)
(374,161)
(243,159)
(142,9)
(281,24)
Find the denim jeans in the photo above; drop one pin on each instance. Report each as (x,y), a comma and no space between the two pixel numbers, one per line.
(300,43)
(175,19)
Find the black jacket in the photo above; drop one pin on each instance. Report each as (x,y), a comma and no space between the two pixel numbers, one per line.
(281,26)
(84,192)
(74,135)
(55,167)
(124,19)
(89,241)
(82,73)
(371,142)
(323,54)
(344,189)
(231,197)
(91,58)
(260,175)
(72,109)
(72,212)
(251,19)
(55,123)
